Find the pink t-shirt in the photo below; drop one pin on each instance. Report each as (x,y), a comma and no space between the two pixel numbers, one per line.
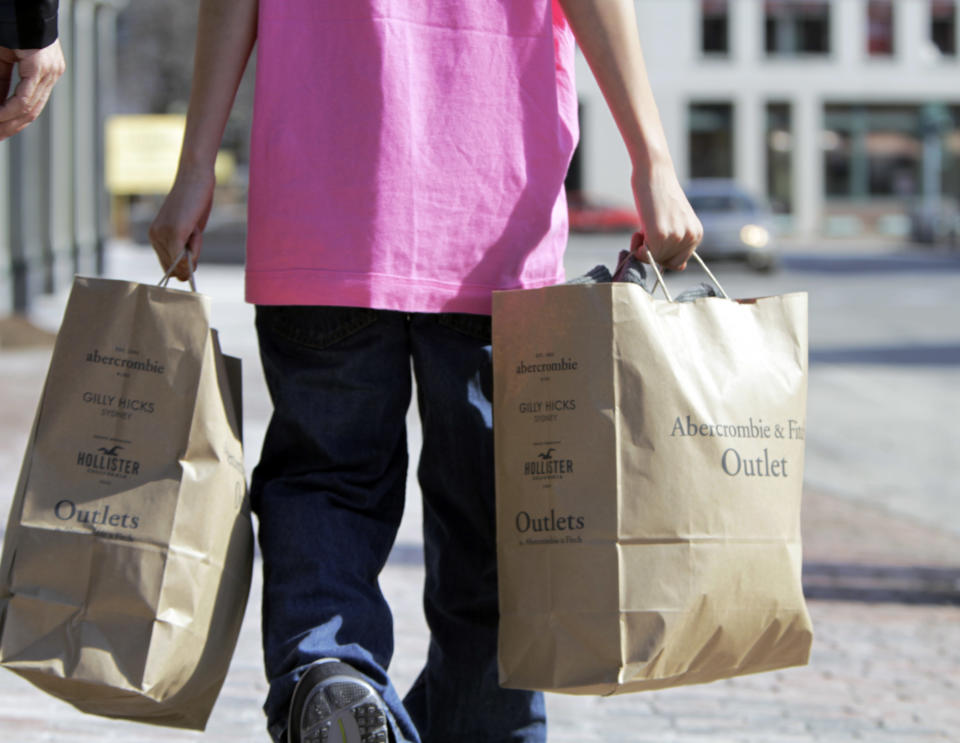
(409,155)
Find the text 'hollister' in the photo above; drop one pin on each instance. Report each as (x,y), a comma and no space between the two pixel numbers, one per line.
(548,467)
(108,461)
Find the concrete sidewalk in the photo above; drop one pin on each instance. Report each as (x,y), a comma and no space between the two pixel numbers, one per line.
(885,599)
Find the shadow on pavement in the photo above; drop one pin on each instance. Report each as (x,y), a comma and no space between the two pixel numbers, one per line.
(872,263)
(827,581)
(934,586)
(909,355)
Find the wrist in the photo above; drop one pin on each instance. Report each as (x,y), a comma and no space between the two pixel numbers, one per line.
(650,157)
(196,162)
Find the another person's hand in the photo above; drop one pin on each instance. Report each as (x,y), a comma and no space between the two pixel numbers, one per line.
(39,70)
(671,229)
(180,222)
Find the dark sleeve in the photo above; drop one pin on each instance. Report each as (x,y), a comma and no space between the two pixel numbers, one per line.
(28,24)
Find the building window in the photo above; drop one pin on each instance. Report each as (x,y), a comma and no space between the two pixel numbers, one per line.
(711,140)
(951,156)
(943,26)
(880,28)
(797,27)
(872,151)
(780,157)
(715,27)
(573,182)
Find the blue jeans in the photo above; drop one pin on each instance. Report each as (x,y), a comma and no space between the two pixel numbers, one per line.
(329,494)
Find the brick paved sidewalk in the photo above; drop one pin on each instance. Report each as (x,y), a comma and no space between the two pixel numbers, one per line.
(882,673)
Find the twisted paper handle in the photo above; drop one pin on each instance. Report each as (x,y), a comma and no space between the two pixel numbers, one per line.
(660,281)
(185,253)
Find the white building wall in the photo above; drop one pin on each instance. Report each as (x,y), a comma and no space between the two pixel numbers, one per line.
(680,74)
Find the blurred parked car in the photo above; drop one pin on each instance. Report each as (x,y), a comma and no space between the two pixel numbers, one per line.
(590,215)
(736,224)
(936,222)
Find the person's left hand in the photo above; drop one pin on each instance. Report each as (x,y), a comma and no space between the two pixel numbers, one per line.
(39,71)
(182,217)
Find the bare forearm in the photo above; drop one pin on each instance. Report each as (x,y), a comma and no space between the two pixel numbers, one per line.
(606,31)
(226,32)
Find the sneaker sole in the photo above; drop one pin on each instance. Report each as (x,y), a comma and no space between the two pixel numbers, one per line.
(340,708)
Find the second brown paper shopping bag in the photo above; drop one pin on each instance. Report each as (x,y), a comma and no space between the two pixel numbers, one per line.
(649,470)
(127,556)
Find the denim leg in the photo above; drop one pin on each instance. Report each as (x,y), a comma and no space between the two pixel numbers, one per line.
(457,696)
(328,492)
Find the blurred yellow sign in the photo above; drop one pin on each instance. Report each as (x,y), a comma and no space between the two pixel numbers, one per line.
(142,152)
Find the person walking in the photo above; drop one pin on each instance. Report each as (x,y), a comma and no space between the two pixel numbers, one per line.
(29,46)
(407,160)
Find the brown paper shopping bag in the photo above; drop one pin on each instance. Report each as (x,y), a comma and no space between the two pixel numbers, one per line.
(127,556)
(649,459)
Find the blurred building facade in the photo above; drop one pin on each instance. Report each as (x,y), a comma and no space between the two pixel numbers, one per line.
(845,114)
(53,208)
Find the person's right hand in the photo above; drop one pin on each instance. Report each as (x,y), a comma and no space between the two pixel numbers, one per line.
(671,229)
(180,222)
(39,70)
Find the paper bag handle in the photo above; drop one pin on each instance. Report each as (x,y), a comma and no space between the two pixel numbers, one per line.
(662,283)
(637,241)
(185,253)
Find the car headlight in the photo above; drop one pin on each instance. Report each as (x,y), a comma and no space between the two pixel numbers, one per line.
(754,236)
